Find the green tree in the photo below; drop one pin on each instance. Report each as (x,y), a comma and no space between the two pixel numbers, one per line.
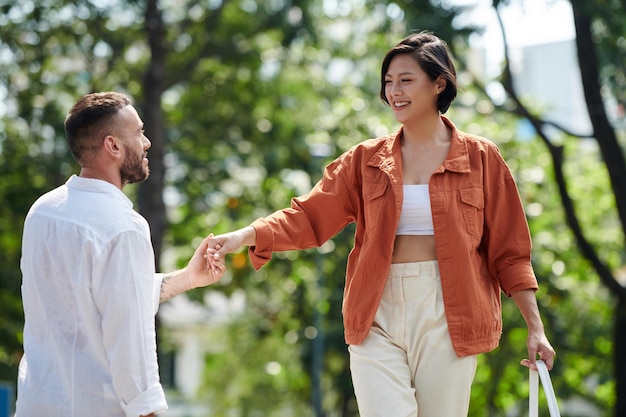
(33,154)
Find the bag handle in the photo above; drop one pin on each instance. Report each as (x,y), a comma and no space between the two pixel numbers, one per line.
(533,398)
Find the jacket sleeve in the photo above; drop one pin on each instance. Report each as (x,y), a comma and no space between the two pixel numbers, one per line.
(311,219)
(506,238)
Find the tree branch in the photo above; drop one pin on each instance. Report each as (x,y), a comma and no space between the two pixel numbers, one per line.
(557,155)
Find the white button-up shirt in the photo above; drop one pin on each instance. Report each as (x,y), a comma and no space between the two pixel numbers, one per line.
(90,296)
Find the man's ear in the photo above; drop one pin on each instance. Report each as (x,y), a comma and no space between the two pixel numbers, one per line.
(111,146)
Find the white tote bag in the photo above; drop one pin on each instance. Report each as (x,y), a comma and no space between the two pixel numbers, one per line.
(533,398)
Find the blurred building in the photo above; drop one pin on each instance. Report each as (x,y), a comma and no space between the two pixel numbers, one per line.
(547,76)
(190,330)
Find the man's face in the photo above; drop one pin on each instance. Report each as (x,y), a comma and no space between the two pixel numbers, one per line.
(135,167)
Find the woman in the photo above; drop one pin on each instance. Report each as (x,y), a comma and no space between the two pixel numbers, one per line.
(440,232)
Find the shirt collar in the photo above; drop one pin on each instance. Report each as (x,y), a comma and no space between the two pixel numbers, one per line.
(93,185)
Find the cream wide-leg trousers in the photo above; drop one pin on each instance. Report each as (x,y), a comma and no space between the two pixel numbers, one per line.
(406,366)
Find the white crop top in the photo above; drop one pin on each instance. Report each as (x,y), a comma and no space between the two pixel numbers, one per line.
(416,216)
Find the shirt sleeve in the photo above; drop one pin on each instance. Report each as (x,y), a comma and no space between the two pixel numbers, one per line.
(126,294)
(158,282)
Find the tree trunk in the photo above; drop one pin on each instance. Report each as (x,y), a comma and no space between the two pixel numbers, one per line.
(613,156)
(151,204)
(619,356)
(604,132)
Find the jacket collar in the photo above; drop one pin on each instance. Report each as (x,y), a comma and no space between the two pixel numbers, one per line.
(384,156)
(457,159)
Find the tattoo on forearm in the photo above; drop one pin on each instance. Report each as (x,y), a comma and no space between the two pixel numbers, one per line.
(166,279)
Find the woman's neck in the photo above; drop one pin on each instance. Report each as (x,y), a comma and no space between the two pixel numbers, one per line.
(425,130)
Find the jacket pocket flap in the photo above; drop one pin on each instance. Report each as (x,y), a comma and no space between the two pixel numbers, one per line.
(373,190)
(473,197)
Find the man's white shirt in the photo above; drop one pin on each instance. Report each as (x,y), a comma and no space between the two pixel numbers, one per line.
(90,296)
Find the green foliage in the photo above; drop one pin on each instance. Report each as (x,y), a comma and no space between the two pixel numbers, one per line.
(608,29)
(48,58)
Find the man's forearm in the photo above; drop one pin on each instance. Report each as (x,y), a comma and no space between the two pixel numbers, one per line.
(174,283)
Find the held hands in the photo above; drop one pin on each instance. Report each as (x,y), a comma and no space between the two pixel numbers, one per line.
(220,245)
(201,272)
(197,273)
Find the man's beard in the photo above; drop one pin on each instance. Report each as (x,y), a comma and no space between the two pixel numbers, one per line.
(132,170)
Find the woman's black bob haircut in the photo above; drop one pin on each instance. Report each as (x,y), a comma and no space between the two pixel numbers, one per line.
(432,55)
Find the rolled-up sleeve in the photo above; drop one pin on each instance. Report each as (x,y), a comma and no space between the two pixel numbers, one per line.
(507,237)
(127,294)
(149,399)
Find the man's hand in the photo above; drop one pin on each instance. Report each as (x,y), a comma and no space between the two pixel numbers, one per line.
(198,273)
(203,273)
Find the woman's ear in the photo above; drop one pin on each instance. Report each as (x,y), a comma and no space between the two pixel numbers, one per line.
(440,84)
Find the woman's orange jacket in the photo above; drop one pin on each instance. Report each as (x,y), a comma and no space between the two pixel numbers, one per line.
(481,235)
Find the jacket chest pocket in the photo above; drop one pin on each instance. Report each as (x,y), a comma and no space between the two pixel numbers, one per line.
(373,202)
(473,210)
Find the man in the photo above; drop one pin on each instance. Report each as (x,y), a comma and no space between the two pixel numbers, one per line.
(89,289)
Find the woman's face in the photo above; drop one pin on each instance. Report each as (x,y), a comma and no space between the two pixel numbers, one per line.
(410,92)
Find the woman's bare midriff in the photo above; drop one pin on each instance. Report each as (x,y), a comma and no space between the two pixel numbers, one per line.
(409,248)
